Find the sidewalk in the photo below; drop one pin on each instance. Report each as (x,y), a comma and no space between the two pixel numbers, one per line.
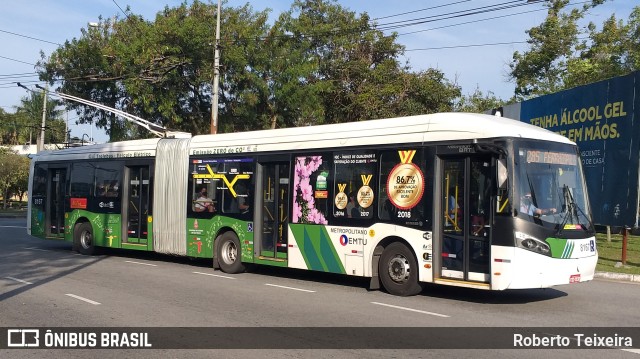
(619,276)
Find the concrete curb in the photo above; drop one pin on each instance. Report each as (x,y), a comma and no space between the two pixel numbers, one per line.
(619,276)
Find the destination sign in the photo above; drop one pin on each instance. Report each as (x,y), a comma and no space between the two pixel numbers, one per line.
(554,158)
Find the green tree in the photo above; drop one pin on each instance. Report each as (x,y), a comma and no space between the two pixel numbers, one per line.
(24,125)
(341,68)
(30,109)
(479,102)
(7,129)
(14,175)
(609,52)
(160,71)
(318,63)
(562,55)
(89,68)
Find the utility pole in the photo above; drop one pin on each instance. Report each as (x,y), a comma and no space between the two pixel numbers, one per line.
(44,119)
(216,77)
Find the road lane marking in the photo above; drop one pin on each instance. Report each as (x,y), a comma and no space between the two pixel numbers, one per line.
(215,275)
(144,264)
(83,299)
(412,310)
(13,227)
(19,280)
(281,286)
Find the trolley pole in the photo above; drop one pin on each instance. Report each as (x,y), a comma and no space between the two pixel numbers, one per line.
(216,76)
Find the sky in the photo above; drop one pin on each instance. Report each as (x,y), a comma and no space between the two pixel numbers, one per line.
(473,51)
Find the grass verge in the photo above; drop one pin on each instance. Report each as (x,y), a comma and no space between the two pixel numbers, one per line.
(610,253)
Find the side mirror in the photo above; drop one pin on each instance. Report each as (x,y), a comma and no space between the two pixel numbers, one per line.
(502,173)
(502,198)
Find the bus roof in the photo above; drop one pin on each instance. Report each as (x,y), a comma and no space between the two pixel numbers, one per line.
(413,129)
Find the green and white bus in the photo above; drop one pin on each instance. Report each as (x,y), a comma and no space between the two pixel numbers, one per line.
(455,199)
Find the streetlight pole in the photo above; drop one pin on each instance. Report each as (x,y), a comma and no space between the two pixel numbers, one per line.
(216,77)
(44,119)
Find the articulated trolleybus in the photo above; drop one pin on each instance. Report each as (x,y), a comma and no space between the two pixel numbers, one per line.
(455,199)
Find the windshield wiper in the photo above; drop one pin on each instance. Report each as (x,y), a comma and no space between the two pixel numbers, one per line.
(572,210)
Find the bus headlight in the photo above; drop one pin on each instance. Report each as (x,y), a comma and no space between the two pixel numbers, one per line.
(535,245)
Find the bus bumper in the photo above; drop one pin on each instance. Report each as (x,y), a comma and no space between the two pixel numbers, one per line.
(531,270)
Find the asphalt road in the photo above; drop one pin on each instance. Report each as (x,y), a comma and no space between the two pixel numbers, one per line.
(45,284)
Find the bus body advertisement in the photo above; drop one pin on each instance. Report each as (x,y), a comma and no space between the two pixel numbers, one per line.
(455,199)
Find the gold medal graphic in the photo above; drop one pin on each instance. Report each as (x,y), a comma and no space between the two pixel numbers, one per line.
(405,185)
(365,193)
(341,199)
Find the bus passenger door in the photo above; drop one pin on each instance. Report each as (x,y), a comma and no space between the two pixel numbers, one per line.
(270,238)
(56,203)
(137,206)
(466,220)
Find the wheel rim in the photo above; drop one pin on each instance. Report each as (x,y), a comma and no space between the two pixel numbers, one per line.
(86,238)
(399,269)
(229,252)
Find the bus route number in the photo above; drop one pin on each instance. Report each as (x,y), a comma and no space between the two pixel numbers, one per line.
(404,214)
(588,247)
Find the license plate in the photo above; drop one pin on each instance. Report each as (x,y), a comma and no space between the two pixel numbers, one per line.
(574,278)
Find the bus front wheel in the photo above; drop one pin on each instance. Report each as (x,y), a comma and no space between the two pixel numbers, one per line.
(229,255)
(398,270)
(83,239)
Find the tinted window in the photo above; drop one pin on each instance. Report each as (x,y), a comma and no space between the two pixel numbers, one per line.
(355,189)
(82,180)
(108,180)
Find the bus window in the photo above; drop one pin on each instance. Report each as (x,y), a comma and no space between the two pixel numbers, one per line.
(108,180)
(227,183)
(82,180)
(354,189)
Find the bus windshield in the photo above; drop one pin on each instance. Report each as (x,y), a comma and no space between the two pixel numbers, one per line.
(551,187)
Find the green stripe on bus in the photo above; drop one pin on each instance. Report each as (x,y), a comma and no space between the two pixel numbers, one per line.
(328,253)
(316,248)
(310,253)
(568,249)
(560,248)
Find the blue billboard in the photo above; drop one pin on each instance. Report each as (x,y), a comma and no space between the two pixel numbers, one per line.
(602,118)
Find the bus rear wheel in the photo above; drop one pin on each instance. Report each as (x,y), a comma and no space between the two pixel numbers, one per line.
(229,253)
(83,239)
(398,270)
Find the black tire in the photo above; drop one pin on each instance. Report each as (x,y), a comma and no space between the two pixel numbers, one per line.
(83,239)
(228,253)
(398,270)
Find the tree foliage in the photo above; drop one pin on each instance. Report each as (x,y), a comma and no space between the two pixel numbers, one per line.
(14,174)
(564,55)
(317,63)
(479,102)
(613,50)
(23,126)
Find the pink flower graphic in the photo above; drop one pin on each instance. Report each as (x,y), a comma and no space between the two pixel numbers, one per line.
(304,210)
